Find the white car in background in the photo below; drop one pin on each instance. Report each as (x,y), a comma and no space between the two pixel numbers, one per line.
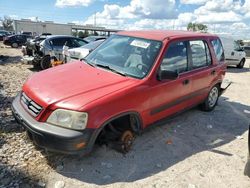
(83,51)
(234,53)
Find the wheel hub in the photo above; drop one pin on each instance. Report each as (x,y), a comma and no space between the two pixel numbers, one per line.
(213,96)
(127,139)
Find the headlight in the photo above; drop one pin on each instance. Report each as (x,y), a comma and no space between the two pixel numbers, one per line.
(69,119)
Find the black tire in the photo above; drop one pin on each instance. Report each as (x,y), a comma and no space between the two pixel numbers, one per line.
(36,65)
(241,64)
(45,62)
(14,45)
(211,100)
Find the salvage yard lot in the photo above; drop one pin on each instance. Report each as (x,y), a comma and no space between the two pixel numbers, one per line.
(194,149)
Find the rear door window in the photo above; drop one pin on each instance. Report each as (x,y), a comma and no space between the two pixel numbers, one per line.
(200,54)
(218,50)
(59,41)
(73,43)
(175,58)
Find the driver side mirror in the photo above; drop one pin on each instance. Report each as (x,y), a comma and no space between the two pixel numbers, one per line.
(166,74)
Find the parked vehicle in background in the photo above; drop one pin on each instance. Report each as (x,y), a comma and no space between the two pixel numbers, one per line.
(134,79)
(234,53)
(27,33)
(247,50)
(52,47)
(32,45)
(15,40)
(83,51)
(45,34)
(95,38)
(3,34)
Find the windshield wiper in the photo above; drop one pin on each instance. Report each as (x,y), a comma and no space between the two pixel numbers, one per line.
(109,68)
(86,61)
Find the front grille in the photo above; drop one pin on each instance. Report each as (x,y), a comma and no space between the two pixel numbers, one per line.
(30,105)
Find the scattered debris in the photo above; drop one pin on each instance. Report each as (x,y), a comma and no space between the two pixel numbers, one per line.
(191,186)
(202,175)
(209,126)
(247,111)
(107,165)
(59,167)
(159,165)
(59,184)
(169,142)
(106,177)
(239,137)
(41,184)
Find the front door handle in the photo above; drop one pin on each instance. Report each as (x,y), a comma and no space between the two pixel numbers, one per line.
(232,53)
(185,82)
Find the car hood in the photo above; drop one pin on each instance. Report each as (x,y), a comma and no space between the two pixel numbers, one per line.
(78,52)
(64,84)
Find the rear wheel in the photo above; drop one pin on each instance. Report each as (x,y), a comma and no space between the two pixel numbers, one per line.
(45,63)
(241,64)
(211,100)
(14,45)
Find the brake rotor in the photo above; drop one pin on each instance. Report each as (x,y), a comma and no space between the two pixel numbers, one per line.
(127,139)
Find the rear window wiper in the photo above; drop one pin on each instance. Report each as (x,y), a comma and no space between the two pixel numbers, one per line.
(109,68)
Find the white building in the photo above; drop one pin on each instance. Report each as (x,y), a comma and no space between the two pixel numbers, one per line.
(38,27)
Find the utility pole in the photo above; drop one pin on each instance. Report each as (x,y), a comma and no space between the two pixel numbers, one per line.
(173,24)
(95,20)
(37,32)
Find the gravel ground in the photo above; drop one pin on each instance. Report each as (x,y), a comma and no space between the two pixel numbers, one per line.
(193,150)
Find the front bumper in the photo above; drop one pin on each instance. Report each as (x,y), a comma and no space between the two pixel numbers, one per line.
(53,138)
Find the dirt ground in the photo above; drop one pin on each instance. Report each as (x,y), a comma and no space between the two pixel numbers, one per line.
(193,150)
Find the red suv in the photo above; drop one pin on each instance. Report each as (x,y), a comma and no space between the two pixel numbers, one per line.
(131,81)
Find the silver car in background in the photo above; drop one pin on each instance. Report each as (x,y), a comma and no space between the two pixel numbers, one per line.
(52,47)
(83,51)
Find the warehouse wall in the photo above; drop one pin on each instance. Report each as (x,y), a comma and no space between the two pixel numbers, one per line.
(42,27)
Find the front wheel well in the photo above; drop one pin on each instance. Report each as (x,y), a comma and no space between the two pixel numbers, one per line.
(113,129)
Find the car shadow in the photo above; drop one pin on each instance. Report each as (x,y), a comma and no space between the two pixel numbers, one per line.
(159,147)
(233,69)
(10,60)
(15,177)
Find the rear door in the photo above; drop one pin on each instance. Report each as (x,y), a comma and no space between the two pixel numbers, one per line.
(202,69)
(57,44)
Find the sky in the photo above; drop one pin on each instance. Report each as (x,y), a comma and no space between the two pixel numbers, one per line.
(230,17)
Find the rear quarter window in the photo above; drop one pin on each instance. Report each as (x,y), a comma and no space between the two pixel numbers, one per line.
(218,49)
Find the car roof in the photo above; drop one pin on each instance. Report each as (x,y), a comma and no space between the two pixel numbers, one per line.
(60,36)
(163,34)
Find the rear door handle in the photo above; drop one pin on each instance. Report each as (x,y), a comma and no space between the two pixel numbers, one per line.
(213,72)
(232,53)
(185,82)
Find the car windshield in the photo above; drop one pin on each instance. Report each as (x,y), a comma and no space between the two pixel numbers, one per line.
(126,55)
(92,45)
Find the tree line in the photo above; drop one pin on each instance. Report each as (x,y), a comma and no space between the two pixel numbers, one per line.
(7,23)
